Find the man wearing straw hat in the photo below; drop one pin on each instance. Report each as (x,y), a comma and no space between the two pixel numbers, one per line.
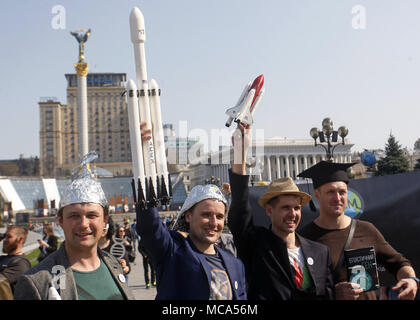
(279,263)
(78,270)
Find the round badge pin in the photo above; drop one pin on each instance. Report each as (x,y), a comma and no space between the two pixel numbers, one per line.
(310,261)
(121,277)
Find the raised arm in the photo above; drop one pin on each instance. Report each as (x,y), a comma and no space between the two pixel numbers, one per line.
(154,235)
(240,219)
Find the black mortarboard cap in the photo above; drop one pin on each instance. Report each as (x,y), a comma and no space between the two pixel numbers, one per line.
(325,171)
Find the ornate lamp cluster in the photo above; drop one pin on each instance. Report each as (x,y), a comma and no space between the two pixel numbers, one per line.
(328,135)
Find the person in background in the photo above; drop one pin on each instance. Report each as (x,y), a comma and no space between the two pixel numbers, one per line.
(147,265)
(107,244)
(49,242)
(14,263)
(122,239)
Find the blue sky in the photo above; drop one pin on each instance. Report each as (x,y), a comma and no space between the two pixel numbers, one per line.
(202,53)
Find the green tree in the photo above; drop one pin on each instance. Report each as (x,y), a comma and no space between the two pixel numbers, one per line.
(394,160)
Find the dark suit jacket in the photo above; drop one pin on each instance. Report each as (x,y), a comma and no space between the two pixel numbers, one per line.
(182,271)
(52,243)
(268,270)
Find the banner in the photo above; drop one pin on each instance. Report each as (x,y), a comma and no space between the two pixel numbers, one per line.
(391,203)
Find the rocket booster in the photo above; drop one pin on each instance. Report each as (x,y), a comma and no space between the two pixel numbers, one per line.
(135,135)
(159,141)
(244,109)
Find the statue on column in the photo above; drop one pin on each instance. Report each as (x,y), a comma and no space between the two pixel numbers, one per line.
(81,36)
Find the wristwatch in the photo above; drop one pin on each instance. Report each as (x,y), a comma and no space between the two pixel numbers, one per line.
(415,279)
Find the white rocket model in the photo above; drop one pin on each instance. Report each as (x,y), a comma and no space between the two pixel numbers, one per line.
(152,182)
(244,109)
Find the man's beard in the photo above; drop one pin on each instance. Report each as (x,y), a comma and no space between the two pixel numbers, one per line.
(12,246)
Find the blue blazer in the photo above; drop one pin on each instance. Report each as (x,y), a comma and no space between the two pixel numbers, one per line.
(182,271)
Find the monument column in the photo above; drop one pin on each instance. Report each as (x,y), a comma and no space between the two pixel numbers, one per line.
(81,67)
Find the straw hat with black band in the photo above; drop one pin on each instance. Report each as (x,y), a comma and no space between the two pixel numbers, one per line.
(283,186)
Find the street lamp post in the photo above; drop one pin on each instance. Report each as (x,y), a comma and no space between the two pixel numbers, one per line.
(328,135)
(212,180)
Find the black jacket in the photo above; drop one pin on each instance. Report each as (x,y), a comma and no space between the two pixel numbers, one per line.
(52,247)
(268,270)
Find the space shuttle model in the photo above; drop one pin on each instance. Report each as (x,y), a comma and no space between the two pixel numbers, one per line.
(247,104)
(151,181)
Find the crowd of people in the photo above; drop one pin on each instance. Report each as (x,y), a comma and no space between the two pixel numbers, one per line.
(191,257)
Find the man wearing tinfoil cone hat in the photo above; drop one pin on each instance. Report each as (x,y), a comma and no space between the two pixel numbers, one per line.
(189,266)
(79,270)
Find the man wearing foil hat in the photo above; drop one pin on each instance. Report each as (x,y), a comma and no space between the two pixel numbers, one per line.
(337,230)
(280,264)
(188,263)
(189,266)
(78,270)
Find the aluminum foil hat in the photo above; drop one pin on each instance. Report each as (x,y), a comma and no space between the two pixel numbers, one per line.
(84,188)
(197,194)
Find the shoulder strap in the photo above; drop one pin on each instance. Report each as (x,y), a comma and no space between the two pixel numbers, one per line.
(346,246)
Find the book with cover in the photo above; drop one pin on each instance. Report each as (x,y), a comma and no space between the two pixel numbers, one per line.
(361,267)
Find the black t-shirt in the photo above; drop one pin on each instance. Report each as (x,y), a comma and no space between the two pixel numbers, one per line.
(13,266)
(221,288)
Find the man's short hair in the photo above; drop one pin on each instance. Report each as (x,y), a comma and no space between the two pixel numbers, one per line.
(21,231)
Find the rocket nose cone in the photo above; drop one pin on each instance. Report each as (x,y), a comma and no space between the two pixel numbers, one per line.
(153,84)
(260,79)
(137,30)
(136,18)
(131,85)
(258,83)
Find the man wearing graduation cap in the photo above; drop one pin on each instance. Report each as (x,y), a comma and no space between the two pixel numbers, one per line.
(279,263)
(333,228)
(78,270)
